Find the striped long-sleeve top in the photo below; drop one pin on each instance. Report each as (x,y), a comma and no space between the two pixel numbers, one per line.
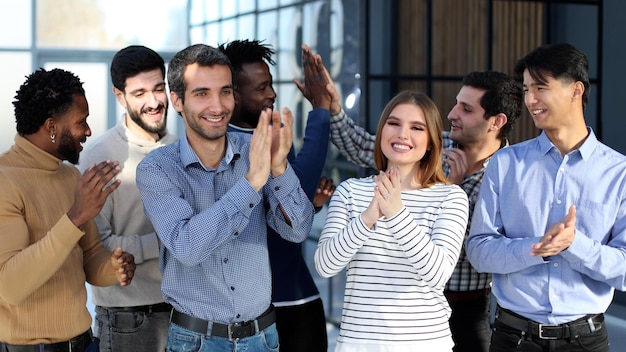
(396,270)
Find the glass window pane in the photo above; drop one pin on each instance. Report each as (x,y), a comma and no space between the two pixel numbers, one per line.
(268,4)
(211,9)
(15,24)
(62,24)
(95,78)
(196,35)
(246,27)
(229,8)
(228,31)
(444,96)
(267,23)
(288,41)
(197,13)
(211,36)
(246,6)
(14,69)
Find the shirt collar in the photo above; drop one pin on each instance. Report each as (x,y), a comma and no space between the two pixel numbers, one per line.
(585,150)
(189,157)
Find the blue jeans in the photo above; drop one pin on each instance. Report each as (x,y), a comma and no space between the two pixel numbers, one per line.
(183,340)
(131,331)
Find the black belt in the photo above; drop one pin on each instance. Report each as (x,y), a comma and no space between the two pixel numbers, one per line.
(586,325)
(462,296)
(231,331)
(77,344)
(148,309)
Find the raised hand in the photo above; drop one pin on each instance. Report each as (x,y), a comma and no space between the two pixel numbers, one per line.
(324,191)
(92,190)
(389,192)
(457,160)
(124,265)
(260,151)
(316,79)
(282,139)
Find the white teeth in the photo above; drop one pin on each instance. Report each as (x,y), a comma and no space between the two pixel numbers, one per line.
(401,146)
(535,112)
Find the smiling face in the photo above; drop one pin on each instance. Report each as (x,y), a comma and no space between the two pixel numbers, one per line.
(72,130)
(208,102)
(550,103)
(254,93)
(404,137)
(145,101)
(467,117)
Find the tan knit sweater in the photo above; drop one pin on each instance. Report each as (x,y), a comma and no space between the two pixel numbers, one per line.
(44,259)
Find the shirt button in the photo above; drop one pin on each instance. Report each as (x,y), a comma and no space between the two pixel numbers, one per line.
(232,288)
(558,201)
(236,233)
(225,260)
(556,265)
(238,316)
(251,205)
(276,188)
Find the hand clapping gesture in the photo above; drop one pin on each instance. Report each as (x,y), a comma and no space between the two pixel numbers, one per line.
(387,199)
(92,191)
(269,146)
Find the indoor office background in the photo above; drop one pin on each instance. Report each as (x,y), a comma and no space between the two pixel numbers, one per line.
(373,48)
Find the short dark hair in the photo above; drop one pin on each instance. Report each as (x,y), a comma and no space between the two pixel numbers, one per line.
(561,61)
(133,60)
(503,94)
(241,52)
(44,94)
(201,54)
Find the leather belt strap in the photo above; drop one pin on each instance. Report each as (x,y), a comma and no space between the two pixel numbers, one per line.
(461,296)
(151,308)
(77,344)
(230,331)
(586,325)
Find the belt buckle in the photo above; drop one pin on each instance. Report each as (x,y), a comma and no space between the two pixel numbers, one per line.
(229,329)
(235,331)
(541,336)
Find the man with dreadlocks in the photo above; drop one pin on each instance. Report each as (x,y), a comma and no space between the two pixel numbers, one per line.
(300,316)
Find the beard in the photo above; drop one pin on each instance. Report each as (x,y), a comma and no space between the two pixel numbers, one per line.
(158,127)
(68,147)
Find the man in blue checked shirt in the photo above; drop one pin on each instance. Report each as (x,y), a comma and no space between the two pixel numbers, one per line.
(211,196)
(550,220)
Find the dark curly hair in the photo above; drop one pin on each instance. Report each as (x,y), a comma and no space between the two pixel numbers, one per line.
(44,94)
(241,52)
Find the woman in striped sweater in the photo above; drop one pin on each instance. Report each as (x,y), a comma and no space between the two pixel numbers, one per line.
(399,235)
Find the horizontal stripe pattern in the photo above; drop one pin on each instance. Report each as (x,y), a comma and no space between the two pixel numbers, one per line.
(396,271)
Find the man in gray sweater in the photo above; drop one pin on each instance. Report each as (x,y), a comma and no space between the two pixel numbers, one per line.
(133,318)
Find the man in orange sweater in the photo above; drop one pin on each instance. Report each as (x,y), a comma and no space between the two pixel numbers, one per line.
(49,244)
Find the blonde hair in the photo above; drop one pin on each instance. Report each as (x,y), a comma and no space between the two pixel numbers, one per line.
(431,170)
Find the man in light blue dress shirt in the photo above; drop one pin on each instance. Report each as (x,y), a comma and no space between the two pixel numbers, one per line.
(550,221)
(211,196)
